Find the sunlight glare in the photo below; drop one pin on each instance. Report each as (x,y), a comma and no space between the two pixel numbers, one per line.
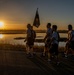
(1,24)
(1,36)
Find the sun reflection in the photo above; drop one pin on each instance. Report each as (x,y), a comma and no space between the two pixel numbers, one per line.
(1,36)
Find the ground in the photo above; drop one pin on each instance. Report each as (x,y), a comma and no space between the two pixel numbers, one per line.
(15,62)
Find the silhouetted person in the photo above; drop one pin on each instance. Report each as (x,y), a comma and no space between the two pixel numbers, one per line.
(47,38)
(70,41)
(53,50)
(30,38)
(28,32)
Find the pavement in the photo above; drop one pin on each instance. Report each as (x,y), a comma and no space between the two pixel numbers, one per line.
(16,63)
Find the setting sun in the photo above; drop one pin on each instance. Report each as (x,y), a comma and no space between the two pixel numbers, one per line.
(1,24)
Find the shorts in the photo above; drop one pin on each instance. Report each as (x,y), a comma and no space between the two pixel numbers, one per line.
(70,45)
(30,42)
(47,43)
(54,49)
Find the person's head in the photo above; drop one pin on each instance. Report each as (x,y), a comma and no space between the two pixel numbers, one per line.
(48,25)
(28,25)
(54,27)
(69,27)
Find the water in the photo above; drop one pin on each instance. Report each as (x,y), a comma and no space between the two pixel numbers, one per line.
(9,39)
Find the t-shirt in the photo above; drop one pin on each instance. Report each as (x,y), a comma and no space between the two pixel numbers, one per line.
(69,34)
(49,33)
(28,33)
(33,34)
(55,36)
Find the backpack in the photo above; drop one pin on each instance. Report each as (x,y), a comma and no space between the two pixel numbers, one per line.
(33,34)
(72,33)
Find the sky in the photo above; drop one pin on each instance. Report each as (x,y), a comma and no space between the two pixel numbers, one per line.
(16,14)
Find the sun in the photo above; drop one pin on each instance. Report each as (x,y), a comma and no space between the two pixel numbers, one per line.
(1,24)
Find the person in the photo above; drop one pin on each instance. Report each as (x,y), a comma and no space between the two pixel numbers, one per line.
(30,38)
(47,38)
(28,32)
(70,42)
(53,50)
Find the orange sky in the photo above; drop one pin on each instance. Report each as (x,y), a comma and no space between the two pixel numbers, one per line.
(19,26)
(16,14)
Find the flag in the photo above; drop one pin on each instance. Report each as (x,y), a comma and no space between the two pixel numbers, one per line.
(36,22)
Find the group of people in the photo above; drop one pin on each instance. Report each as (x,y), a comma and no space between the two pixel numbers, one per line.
(51,41)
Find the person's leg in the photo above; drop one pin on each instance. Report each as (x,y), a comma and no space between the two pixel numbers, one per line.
(50,52)
(31,47)
(56,53)
(45,49)
(72,47)
(49,56)
(31,50)
(57,59)
(66,49)
(44,52)
(27,49)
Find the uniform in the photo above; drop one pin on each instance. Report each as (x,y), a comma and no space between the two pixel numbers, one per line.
(72,40)
(54,43)
(49,34)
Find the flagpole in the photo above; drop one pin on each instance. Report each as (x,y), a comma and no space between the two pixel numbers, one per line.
(37,9)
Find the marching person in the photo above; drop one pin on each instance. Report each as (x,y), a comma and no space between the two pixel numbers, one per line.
(54,44)
(70,42)
(47,38)
(33,36)
(30,38)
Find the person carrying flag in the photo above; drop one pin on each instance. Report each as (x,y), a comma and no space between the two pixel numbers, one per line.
(30,38)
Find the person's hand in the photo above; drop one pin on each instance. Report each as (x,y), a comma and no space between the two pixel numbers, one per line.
(66,40)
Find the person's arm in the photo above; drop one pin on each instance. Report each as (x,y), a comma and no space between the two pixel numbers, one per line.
(45,37)
(26,37)
(69,36)
(52,39)
(47,34)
